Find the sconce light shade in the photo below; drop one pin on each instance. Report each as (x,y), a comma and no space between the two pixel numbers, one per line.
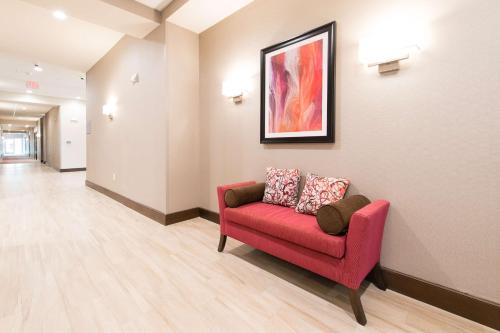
(388,45)
(109,110)
(232,89)
(386,58)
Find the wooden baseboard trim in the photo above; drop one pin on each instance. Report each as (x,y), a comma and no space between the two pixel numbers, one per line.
(184,215)
(152,213)
(476,309)
(471,307)
(209,215)
(156,215)
(73,170)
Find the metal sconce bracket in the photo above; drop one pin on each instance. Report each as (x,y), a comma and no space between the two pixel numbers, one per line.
(391,65)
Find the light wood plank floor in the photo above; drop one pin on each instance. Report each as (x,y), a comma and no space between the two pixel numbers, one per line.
(73,260)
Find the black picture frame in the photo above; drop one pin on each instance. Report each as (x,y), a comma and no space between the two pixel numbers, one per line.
(330,28)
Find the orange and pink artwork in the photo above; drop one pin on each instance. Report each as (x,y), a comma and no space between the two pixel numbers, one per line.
(297,88)
(295,100)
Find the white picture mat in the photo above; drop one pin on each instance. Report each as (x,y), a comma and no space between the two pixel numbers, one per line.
(324,107)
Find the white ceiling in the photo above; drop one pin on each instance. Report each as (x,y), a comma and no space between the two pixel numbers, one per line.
(123,16)
(32,32)
(155,4)
(20,114)
(24,109)
(66,49)
(199,15)
(54,81)
(19,126)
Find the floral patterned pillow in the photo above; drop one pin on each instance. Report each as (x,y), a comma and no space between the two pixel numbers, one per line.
(282,187)
(320,191)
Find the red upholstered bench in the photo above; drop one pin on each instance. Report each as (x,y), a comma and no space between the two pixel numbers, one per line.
(297,238)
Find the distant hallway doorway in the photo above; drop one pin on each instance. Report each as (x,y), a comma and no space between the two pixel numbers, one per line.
(16,144)
(16,148)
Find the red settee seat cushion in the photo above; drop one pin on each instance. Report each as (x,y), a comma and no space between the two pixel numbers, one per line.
(285,223)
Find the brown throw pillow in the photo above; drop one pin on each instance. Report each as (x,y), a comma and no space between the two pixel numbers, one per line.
(242,195)
(334,219)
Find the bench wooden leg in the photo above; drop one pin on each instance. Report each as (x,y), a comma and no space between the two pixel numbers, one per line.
(378,277)
(222,243)
(357,308)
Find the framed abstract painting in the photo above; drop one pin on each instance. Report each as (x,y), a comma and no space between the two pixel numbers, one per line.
(298,88)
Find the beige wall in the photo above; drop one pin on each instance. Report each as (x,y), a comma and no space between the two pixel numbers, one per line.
(133,145)
(426,138)
(183,168)
(52,134)
(152,145)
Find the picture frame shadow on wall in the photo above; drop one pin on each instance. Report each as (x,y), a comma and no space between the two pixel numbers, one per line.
(297,82)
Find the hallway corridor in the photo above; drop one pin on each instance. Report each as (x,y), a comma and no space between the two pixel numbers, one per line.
(73,260)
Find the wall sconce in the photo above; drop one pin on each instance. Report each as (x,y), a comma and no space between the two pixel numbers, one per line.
(386,58)
(109,110)
(389,44)
(134,79)
(233,89)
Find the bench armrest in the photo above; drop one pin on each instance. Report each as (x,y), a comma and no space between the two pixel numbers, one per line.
(364,241)
(221,192)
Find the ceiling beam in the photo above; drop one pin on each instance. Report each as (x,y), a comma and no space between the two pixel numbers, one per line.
(137,8)
(172,8)
(126,16)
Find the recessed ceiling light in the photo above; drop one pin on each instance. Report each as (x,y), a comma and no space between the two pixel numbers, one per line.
(26,126)
(78,97)
(10,125)
(24,108)
(37,68)
(60,15)
(29,91)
